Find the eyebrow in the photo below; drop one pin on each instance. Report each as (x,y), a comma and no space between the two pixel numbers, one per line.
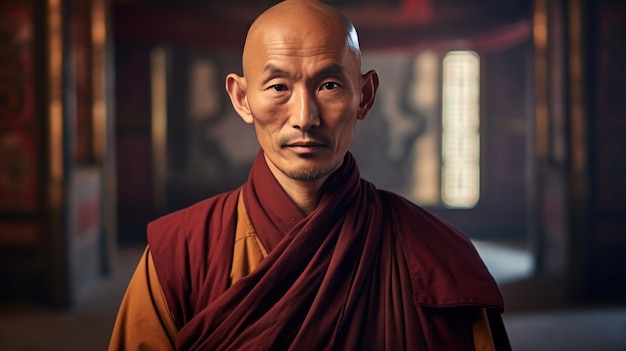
(274,71)
(334,69)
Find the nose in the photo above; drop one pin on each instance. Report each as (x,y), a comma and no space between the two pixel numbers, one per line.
(306,112)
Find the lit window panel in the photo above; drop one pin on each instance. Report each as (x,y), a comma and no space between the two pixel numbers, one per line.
(460,173)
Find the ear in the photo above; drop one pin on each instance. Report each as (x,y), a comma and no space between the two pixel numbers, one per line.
(236,86)
(369,86)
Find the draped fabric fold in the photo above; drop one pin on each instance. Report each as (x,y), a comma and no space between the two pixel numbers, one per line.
(338,278)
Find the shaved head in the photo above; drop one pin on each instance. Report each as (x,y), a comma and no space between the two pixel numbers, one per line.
(299,19)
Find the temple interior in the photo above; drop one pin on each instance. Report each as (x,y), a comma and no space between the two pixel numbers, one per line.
(506,118)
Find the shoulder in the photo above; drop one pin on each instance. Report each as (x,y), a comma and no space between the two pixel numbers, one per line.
(193,235)
(420,224)
(193,232)
(196,218)
(444,264)
(191,245)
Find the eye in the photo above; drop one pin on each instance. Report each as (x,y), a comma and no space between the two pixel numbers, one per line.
(278,87)
(329,86)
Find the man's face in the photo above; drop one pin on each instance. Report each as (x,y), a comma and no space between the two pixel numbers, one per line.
(303,90)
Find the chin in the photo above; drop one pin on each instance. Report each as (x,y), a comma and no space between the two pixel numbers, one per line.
(308,176)
(306,173)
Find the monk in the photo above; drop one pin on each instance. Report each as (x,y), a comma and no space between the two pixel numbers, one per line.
(307,255)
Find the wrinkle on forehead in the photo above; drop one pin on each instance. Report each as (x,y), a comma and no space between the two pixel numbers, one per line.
(286,25)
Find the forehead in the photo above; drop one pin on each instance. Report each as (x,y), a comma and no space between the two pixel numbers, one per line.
(301,42)
(297,58)
(302,47)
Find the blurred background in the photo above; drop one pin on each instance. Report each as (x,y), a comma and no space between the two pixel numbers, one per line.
(505,117)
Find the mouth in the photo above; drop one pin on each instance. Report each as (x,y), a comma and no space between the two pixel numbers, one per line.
(306,147)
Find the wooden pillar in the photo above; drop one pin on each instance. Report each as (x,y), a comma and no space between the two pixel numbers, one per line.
(55,177)
(580,126)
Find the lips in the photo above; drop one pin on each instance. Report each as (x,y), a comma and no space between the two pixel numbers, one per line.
(307,146)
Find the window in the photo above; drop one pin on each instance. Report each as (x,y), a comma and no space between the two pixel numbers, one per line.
(460,147)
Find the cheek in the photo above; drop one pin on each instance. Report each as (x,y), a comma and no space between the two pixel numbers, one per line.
(267,116)
(344,131)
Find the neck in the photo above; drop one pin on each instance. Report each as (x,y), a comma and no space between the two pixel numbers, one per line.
(305,194)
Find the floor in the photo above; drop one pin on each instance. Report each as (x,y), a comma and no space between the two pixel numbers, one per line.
(531,328)
(539,316)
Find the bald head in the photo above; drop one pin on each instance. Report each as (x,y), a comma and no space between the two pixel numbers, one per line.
(293,21)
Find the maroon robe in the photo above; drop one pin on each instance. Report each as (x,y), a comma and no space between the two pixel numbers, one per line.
(366,270)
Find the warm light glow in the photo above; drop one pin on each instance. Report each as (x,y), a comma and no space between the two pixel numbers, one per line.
(99,112)
(460,130)
(425,93)
(540,38)
(158,67)
(55,100)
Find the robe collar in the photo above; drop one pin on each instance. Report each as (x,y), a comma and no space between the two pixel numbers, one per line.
(273,213)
